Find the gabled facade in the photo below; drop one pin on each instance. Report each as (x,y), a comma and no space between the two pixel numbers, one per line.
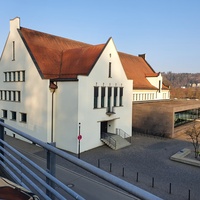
(147,84)
(55,89)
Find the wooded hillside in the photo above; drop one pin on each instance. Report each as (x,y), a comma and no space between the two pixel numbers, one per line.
(183,85)
(177,80)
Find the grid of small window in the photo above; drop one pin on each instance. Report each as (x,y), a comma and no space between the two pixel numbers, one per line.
(14,76)
(114,97)
(10,95)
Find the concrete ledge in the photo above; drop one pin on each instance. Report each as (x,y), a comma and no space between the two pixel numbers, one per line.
(181,157)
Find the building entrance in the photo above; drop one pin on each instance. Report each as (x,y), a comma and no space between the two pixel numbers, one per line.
(104,128)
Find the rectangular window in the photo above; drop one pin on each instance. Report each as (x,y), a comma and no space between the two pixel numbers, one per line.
(115,96)
(109,99)
(159,86)
(19,97)
(23,117)
(4,114)
(14,96)
(14,79)
(9,95)
(9,76)
(5,76)
(103,90)
(23,75)
(13,50)
(18,75)
(13,115)
(121,96)
(109,70)
(5,95)
(96,94)
(1,95)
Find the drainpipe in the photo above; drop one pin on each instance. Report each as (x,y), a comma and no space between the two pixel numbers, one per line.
(52,88)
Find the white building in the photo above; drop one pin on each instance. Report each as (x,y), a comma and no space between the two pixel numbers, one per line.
(147,84)
(54,88)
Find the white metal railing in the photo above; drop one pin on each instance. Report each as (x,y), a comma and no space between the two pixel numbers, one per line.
(123,134)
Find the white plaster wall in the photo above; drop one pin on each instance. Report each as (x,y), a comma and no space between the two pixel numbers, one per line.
(66,116)
(89,117)
(34,91)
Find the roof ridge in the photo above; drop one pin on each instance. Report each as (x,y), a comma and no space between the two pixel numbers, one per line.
(55,36)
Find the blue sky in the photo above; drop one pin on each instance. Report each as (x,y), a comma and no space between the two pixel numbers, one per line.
(168,31)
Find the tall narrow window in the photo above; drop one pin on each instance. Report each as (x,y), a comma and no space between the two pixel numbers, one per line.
(14,95)
(115,96)
(109,70)
(18,75)
(19,98)
(5,95)
(121,96)
(103,89)
(96,94)
(109,99)
(5,76)
(9,76)
(23,75)
(9,95)
(14,79)
(13,50)
(159,85)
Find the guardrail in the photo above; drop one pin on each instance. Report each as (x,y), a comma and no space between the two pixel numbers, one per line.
(111,141)
(123,134)
(50,176)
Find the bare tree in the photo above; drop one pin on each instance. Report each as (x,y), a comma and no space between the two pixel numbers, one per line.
(194,134)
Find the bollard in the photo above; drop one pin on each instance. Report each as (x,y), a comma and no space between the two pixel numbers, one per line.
(170,188)
(188,194)
(123,171)
(98,163)
(152,184)
(137,177)
(110,167)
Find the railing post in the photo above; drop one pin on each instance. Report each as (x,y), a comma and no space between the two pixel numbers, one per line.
(2,137)
(51,168)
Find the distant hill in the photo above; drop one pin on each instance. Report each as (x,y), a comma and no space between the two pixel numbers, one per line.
(183,85)
(178,80)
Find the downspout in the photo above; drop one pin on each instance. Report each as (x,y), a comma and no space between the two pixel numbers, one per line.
(52,88)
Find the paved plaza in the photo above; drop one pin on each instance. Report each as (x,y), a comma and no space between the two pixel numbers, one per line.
(146,164)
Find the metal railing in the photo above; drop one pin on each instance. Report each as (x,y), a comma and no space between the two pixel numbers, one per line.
(111,141)
(22,170)
(123,134)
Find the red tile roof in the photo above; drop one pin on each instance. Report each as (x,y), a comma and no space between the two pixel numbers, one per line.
(57,57)
(137,69)
(61,58)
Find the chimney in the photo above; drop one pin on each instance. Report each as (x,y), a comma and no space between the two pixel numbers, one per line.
(142,55)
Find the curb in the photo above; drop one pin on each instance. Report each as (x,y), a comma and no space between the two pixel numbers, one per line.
(180,156)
